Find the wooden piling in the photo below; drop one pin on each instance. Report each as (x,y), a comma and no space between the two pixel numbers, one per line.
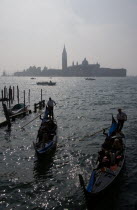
(41,94)
(9,98)
(13,93)
(24,99)
(6,115)
(5,92)
(2,94)
(18,94)
(35,107)
(40,105)
(29,96)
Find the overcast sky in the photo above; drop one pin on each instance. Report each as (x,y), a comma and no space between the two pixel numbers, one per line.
(33,32)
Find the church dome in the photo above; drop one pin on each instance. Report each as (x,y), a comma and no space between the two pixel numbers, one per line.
(85,62)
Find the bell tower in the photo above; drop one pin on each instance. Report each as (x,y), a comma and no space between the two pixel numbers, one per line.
(64,59)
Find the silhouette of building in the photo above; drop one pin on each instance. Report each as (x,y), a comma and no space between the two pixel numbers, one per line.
(75,70)
(64,59)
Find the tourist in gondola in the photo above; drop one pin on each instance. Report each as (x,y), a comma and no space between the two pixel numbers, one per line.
(51,103)
(121,117)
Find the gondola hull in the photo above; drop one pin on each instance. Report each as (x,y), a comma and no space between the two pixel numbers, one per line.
(47,148)
(105,178)
(47,136)
(18,108)
(105,175)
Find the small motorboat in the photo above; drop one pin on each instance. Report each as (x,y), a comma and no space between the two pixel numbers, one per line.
(50,83)
(90,78)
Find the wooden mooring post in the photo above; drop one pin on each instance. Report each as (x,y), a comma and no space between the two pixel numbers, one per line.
(39,105)
(7,115)
(18,94)
(29,96)
(41,94)
(7,95)
(13,93)
(2,96)
(4,92)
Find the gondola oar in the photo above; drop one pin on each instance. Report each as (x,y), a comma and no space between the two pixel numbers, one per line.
(93,134)
(31,121)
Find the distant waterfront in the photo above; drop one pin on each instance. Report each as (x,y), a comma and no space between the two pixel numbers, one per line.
(86,71)
(76,70)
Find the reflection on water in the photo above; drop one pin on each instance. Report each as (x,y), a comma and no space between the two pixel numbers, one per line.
(82,109)
(42,167)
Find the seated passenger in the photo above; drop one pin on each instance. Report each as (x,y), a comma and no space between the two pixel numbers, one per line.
(104,159)
(117,145)
(52,126)
(106,146)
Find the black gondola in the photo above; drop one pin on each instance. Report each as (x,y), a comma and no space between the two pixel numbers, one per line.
(47,136)
(110,162)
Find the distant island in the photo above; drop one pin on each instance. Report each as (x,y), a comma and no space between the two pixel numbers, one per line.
(76,70)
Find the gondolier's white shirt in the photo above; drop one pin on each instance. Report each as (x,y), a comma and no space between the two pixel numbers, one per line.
(51,103)
(122,116)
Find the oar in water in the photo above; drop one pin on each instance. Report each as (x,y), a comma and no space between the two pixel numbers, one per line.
(93,134)
(31,121)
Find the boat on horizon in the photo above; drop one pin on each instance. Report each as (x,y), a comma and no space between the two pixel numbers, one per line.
(89,78)
(50,83)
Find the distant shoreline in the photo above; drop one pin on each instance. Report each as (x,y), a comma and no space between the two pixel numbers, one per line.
(85,72)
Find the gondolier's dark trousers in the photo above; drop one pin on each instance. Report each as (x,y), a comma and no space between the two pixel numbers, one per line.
(50,108)
(120,125)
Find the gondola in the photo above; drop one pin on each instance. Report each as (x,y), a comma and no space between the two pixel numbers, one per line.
(110,162)
(18,108)
(46,140)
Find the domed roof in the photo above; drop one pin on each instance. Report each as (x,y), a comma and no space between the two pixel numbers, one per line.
(85,62)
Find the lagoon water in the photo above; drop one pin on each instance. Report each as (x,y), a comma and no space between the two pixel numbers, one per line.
(83,108)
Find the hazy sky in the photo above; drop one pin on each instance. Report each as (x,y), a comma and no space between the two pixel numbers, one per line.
(33,32)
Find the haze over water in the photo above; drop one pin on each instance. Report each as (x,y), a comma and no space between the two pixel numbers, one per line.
(83,108)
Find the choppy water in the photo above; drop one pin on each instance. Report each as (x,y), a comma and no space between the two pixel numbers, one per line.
(83,107)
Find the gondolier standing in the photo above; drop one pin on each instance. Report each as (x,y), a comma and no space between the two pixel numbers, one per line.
(50,105)
(121,117)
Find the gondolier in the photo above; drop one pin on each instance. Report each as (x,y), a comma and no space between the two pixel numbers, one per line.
(121,117)
(51,105)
